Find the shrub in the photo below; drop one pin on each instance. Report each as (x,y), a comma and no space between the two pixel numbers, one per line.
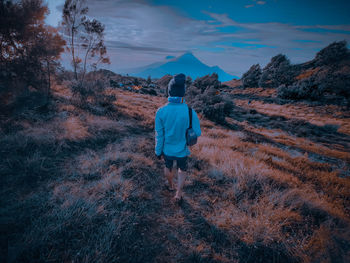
(277,72)
(207,81)
(149,91)
(163,83)
(188,81)
(305,89)
(333,53)
(251,78)
(205,97)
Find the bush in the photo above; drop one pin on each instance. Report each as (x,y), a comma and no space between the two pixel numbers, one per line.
(251,78)
(207,81)
(301,90)
(205,97)
(277,72)
(149,91)
(333,53)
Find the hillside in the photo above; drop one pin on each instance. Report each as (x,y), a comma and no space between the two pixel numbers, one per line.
(268,184)
(324,79)
(186,63)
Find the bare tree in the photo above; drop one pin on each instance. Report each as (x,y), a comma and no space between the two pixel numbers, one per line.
(74,16)
(93,43)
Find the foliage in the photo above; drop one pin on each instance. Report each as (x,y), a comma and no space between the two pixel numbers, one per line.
(74,15)
(205,97)
(29,49)
(93,43)
(278,71)
(251,78)
(89,33)
(333,53)
(325,77)
(301,90)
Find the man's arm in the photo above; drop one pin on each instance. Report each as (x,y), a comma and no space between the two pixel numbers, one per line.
(195,124)
(159,129)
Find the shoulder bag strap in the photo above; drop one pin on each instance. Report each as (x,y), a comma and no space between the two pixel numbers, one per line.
(190,114)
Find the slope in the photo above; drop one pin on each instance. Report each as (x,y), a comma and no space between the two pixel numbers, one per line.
(79,183)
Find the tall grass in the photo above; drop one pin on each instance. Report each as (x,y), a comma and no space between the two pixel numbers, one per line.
(82,186)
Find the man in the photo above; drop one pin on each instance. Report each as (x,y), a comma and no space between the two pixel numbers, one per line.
(171,123)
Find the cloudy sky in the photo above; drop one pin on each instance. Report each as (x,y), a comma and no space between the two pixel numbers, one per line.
(233,34)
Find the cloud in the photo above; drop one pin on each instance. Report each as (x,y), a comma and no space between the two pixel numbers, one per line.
(327,27)
(269,40)
(256,2)
(122,45)
(139,33)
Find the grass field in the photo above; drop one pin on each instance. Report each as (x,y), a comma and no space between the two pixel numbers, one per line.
(80,184)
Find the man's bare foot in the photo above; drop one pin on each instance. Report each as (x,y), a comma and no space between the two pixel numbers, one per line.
(170,187)
(178,197)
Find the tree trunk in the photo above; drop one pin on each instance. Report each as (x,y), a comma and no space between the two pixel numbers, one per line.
(74,62)
(84,71)
(49,82)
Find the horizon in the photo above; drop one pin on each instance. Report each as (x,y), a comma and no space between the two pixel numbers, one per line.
(232,36)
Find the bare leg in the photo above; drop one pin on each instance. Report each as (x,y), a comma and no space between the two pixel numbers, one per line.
(170,175)
(180,182)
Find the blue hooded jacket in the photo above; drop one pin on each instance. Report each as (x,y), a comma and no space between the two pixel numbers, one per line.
(171,123)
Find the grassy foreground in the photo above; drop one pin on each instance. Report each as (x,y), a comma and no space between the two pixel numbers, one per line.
(80,184)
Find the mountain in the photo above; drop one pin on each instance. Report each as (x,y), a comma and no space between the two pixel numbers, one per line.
(187,64)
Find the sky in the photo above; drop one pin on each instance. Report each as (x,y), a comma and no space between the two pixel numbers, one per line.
(232,34)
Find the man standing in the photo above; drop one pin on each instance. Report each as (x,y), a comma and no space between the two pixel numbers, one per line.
(171,123)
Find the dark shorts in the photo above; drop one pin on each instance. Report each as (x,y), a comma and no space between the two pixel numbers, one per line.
(181,162)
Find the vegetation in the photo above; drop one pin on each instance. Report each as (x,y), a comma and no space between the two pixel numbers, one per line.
(204,96)
(274,189)
(89,33)
(30,50)
(325,78)
(252,76)
(268,179)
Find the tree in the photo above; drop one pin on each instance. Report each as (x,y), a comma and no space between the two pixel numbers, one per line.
(84,33)
(333,53)
(50,45)
(277,72)
(93,43)
(251,78)
(29,49)
(74,16)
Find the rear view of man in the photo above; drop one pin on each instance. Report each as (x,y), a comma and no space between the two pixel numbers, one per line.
(171,123)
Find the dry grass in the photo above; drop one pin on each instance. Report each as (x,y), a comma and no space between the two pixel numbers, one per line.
(307,73)
(273,194)
(268,92)
(253,194)
(140,107)
(318,115)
